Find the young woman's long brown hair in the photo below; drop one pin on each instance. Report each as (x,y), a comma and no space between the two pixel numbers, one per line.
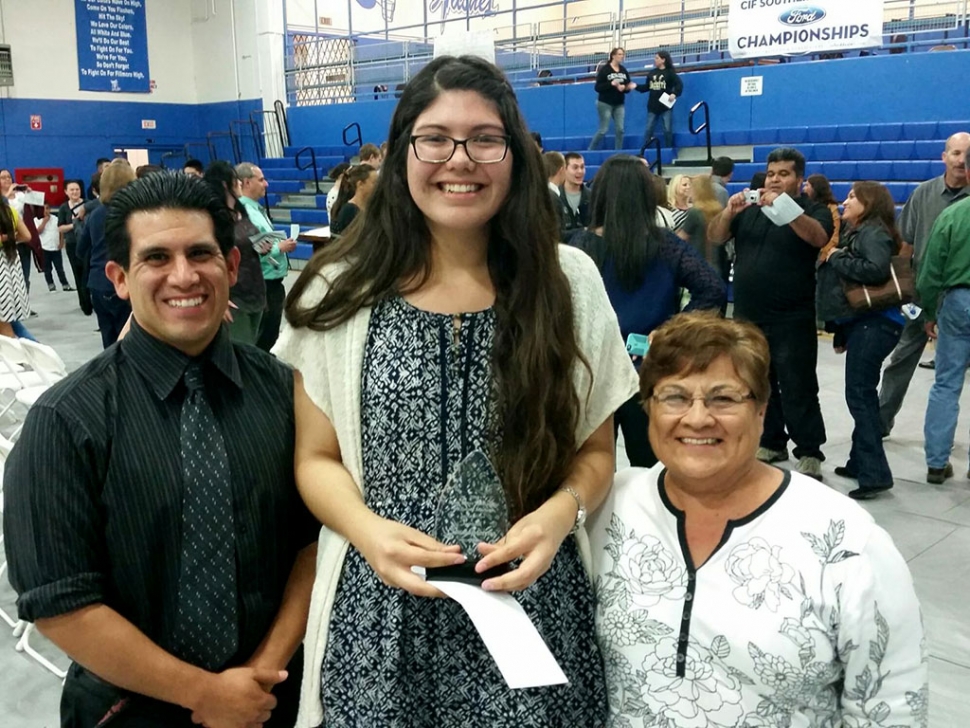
(880,209)
(535,350)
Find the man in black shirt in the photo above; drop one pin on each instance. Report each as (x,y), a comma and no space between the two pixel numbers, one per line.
(67,214)
(103,537)
(774,287)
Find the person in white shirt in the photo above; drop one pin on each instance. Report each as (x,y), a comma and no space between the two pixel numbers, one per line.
(733,593)
(52,243)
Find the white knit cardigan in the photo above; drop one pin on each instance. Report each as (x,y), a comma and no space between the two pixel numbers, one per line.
(331,363)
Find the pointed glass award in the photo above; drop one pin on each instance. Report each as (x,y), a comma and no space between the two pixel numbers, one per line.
(472,509)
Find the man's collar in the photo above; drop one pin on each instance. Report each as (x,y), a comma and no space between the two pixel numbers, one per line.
(163,365)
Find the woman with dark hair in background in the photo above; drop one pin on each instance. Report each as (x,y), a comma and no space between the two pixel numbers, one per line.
(247,298)
(644,269)
(355,190)
(612,85)
(447,323)
(817,188)
(663,79)
(112,311)
(869,240)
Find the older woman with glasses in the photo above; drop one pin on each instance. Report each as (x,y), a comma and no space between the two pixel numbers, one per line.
(733,593)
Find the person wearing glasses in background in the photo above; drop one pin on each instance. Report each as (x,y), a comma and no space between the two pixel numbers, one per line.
(447,321)
(728,589)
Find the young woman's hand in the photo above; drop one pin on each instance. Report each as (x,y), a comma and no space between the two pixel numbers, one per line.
(391,549)
(535,538)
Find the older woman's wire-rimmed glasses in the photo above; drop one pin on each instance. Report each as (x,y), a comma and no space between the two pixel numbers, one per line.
(481,149)
(718,402)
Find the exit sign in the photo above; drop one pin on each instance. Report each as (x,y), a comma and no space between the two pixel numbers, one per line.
(147,123)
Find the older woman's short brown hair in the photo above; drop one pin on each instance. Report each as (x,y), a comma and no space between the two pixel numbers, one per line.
(690,342)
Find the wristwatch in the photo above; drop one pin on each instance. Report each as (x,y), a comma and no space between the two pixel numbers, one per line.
(580,508)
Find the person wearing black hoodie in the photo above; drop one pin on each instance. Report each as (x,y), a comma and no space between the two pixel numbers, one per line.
(612,83)
(663,79)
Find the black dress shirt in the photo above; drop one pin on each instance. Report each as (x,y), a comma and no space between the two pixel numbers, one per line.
(93,488)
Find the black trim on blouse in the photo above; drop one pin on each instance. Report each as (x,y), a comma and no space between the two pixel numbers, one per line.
(683,638)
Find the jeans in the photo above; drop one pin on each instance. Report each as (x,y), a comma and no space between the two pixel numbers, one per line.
(605,111)
(633,420)
(668,121)
(112,313)
(899,371)
(793,408)
(53,259)
(869,340)
(269,325)
(952,357)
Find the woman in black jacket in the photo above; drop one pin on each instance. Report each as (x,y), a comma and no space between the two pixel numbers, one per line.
(612,83)
(663,79)
(869,240)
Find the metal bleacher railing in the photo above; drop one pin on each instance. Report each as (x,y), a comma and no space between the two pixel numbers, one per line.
(326,69)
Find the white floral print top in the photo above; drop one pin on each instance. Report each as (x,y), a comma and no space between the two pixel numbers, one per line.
(803,617)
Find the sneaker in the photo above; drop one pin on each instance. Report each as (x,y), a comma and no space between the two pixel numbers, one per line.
(51,288)
(938,475)
(66,288)
(812,467)
(869,493)
(771,456)
(931,364)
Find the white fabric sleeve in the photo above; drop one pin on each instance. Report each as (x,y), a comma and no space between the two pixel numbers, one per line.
(614,380)
(303,350)
(881,643)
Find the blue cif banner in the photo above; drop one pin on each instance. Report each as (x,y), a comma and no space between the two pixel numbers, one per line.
(112,45)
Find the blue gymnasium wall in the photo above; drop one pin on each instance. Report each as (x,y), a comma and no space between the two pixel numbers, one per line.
(76,133)
(874,89)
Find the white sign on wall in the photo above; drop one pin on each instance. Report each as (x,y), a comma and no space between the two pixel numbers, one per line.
(753,86)
(777,27)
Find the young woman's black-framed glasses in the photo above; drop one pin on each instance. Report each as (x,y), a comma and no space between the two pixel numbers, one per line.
(481,149)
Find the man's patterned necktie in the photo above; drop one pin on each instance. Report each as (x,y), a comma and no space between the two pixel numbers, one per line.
(207,631)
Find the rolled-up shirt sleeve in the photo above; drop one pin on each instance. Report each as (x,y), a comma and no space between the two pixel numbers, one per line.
(52,523)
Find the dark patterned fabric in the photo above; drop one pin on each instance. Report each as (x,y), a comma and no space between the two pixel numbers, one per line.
(399,661)
(207,627)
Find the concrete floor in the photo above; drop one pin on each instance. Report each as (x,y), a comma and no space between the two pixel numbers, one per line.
(930,525)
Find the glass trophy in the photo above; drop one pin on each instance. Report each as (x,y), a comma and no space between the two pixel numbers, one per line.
(472,509)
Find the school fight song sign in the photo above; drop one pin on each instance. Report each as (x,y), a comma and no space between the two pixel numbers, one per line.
(779,27)
(112,45)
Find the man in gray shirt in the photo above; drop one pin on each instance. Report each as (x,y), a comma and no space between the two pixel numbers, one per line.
(915,222)
(722,170)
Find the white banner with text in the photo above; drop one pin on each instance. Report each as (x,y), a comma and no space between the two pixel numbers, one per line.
(781,27)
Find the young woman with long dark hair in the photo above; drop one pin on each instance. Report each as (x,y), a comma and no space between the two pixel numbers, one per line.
(869,240)
(14,301)
(448,321)
(644,269)
(356,187)
(663,79)
(612,85)
(817,188)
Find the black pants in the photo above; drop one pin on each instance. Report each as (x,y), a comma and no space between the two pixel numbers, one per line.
(632,419)
(793,409)
(112,315)
(86,701)
(54,259)
(80,277)
(25,254)
(269,325)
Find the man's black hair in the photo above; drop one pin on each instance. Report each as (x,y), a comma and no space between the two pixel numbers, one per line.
(102,160)
(164,192)
(194,164)
(788,154)
(537,138)
(722,166)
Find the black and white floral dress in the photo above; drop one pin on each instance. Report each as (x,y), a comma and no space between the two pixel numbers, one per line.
(398,661)
(14,301)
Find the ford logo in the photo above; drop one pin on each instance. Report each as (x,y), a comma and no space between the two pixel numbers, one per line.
(803,15)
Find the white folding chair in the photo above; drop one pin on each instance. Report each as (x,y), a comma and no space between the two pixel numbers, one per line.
(23,645)
(46,365)
(5,447)
(13,375)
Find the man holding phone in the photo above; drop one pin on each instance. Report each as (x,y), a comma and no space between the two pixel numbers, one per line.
(774,287)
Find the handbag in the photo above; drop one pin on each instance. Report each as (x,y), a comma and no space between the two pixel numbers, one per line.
(898,289)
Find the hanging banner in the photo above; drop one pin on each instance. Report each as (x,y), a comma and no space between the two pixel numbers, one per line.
(781,27)
(112,45)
